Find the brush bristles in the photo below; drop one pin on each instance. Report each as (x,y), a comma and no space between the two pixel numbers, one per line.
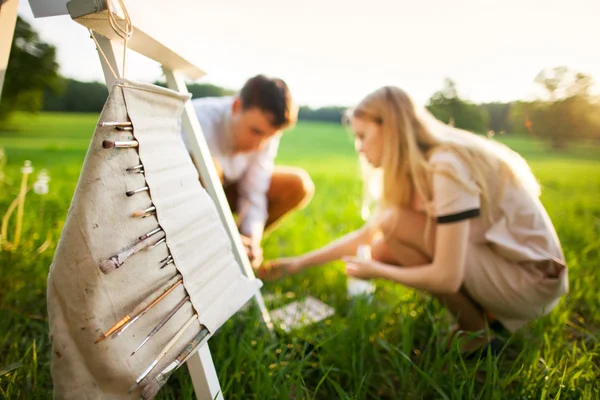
(107,266)
(138,213)
(142,213)
(132,192)
(108,144)
(130,169)
(150,390)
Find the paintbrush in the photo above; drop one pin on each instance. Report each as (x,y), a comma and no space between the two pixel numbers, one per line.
(166,261)
(159,242)
(151,388)
(145,310)
(134,169)
(163,352)
(169,261)
(162,323)
(169,285)
(112,124)
(144,213)
(132,192)
(125,144)
(114,262)
(151,233)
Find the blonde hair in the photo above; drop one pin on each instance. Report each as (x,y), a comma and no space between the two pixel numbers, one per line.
(410,135)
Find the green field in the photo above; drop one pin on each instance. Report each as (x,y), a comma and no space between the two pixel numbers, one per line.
(388,349)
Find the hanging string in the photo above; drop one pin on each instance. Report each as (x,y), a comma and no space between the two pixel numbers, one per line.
(125,32)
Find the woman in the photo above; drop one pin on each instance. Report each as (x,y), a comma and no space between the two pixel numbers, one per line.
(458,217)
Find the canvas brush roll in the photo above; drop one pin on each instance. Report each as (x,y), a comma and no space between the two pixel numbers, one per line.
(84,302)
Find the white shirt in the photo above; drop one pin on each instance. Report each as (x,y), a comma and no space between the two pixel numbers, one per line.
(252,171)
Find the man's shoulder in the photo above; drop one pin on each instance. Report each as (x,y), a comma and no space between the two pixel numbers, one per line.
(213,103)
(212,112)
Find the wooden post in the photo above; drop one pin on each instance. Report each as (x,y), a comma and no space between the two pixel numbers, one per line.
(203,374)
(8,21)
(208,173)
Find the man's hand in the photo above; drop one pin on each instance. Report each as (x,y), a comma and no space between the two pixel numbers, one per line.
(253,251)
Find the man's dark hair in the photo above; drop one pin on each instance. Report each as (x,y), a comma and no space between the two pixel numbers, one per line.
(272,96)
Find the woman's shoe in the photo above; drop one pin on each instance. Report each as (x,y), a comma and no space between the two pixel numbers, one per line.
(494,347)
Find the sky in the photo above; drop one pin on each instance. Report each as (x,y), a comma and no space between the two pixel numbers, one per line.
(334,52)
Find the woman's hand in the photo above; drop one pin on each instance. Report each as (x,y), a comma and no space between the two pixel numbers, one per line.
(361,268)
(276,269)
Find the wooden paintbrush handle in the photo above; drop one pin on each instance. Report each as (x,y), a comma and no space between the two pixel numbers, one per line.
(187,351)
(169,315)
(163,352)
(139,246)
(159,381)
(157,296)
(175,338)
(144,307)
(117,260)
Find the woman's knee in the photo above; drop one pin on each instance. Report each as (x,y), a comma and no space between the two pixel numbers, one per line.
(381,252)
(396,225)
(399,225)
(389,223)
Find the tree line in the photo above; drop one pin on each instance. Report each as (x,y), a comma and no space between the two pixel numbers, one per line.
(566,109)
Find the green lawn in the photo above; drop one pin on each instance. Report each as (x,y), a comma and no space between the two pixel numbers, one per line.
(388,348)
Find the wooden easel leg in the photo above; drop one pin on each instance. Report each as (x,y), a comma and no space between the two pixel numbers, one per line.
(113,52)
(200,365)
(204,377)
(8,21)
(208,173)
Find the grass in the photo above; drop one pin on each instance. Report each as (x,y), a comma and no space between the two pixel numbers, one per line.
(384,349)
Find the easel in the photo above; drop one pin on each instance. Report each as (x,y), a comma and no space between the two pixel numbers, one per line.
(149,36)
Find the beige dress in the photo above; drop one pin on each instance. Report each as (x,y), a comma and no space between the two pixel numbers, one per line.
(514,267)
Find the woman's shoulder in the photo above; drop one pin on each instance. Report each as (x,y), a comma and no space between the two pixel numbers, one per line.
(443,158)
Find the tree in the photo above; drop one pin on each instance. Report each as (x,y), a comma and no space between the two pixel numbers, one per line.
(207,90)
(562,83)
(77,97)
(199,90)
(498,116)
(325,114)
(566,110)
(447,106)
(32,68)
(518,117)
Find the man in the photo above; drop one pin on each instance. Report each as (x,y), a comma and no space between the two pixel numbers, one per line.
(242,133)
